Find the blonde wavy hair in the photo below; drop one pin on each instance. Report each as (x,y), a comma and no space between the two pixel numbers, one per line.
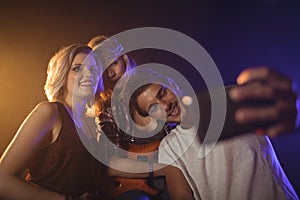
(58,68)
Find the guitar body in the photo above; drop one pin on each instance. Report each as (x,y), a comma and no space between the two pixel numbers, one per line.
(146,152)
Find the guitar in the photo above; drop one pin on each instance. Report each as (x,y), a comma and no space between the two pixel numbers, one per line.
(142,153)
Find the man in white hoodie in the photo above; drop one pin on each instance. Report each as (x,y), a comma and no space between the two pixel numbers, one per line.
(242,167)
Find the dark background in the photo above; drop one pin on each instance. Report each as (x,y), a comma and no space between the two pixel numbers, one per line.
(236,34)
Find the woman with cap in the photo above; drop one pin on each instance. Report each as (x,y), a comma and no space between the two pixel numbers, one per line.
(111,115)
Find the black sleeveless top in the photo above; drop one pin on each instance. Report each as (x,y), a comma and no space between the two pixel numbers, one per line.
(66,166)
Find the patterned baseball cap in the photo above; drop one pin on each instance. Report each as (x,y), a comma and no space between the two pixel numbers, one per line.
(108,51)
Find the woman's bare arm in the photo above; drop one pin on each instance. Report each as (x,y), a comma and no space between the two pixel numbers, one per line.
(129,168)
(34,133)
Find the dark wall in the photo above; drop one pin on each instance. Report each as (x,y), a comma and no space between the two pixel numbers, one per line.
(236,34)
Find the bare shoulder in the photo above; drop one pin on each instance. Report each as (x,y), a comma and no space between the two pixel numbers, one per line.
(46,110)
(47,106)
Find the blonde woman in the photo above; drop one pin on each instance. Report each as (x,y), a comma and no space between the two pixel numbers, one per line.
(49,142)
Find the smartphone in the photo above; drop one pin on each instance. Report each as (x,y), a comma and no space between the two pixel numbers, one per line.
(231,126)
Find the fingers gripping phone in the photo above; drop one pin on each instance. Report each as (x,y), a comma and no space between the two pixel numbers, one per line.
(231,126)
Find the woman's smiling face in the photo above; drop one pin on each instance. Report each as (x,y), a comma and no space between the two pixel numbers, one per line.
(83,76)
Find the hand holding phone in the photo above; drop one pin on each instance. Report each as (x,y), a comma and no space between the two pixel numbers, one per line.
(231,126)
